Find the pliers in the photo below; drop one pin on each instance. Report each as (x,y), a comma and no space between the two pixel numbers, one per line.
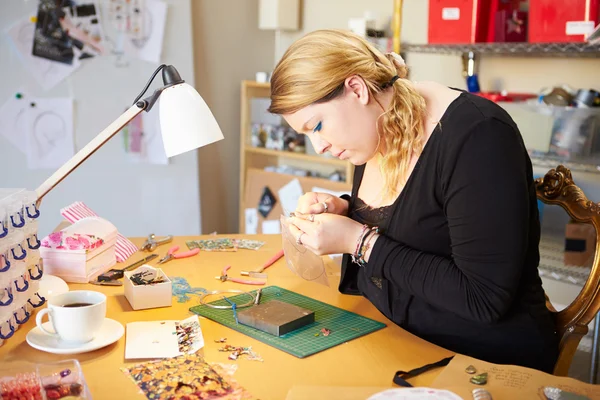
(172,254)
(224,277)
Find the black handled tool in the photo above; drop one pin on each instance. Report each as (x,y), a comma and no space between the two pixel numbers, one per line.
(114,274)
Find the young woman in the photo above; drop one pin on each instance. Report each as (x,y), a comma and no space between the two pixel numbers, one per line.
(441,232)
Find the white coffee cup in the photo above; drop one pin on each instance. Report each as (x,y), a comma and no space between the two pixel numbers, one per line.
(75,316)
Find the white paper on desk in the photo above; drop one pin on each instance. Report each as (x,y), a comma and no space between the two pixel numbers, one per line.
(251,221)
(49,129)
(271,227)
(47,73)
(331,192)
(163,339)
(148,46)
(289,196)
(12,120)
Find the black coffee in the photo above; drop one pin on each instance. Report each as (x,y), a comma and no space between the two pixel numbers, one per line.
(72,305)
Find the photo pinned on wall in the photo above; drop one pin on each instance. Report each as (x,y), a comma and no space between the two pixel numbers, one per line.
(142,140)
(67,31)
(47,73)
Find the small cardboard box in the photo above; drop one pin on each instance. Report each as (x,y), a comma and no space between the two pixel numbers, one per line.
(148,296)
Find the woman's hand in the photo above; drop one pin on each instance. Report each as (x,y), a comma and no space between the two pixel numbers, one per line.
(318,203)
(325,233)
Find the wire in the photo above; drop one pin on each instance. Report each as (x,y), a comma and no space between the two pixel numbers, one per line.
(149,82)
(234,308)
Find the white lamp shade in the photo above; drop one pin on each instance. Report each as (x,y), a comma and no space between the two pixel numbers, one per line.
(186,122)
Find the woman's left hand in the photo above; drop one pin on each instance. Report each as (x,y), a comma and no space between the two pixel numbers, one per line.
(325,233)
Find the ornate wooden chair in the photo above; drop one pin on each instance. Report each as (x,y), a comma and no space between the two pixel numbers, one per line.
(557,187)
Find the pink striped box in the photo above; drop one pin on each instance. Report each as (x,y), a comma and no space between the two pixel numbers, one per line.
(78,210)
(82,251)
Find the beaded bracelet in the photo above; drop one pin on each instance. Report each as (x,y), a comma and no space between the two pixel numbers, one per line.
(366,246)
(359,253)
(360,237)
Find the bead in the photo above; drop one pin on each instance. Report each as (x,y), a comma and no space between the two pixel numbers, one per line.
(52,394)
(65,372)
(470,369)
(51,386)
(76,389)
(64,390)
(480,379)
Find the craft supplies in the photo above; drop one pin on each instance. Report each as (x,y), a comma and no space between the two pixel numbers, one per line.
(147,287)
(163,339)
(344,325)
(259,273)
(152,242)
(188,375)
(276,317)
(300,260)
(114,274)
(237,352)
(181,289)
(81,251)
(172,254)
(224,278)
(60,380)
(21,267)
(124,248)
(229,306)
(212,245)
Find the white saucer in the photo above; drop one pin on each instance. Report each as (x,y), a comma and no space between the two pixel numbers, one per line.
(110,332)
(51,285)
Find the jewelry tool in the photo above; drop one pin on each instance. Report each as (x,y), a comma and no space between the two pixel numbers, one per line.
(107,283)
(228,307)
(114,274)
(172,254)
(259,273)
(152,242)
(224,278)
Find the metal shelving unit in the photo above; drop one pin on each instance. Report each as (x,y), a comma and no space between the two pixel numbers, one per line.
(510,49)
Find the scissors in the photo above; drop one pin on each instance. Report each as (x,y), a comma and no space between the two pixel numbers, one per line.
(172,254)
(224,278)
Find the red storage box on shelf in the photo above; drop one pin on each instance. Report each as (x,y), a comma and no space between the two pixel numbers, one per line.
(458,21)
(562,20)
(511,27)
(466,21)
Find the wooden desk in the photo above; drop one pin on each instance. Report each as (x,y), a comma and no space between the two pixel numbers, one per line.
(370,361)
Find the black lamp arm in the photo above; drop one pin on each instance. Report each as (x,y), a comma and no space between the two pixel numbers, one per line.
(170,77)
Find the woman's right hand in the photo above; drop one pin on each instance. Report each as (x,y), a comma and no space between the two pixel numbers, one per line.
(318,203)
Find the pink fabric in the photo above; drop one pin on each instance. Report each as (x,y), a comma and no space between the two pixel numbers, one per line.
(61,241)
(76,211)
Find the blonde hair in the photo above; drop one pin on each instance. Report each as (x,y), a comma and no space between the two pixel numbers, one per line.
(314,70)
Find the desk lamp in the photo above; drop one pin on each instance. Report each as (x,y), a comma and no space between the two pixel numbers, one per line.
(186,123)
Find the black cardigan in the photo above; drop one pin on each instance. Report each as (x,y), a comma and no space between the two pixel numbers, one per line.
(457,261)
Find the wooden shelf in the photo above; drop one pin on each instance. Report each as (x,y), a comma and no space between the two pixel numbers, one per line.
(297,156)
(253,161)
(257,85)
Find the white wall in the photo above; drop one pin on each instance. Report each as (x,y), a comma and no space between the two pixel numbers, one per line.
(138,199)
(229,48)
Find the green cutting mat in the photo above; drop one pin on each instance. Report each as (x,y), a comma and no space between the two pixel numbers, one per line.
(344,325)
